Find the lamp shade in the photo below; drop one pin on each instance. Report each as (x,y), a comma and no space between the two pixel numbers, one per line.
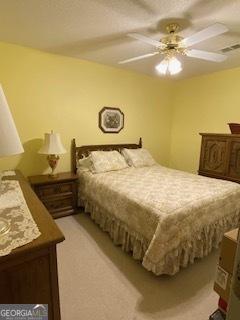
(52,144)
(10,143)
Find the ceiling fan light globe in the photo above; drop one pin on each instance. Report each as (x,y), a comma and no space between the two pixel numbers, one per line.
(162,67)
(175,71)
(174,66)
(174,62)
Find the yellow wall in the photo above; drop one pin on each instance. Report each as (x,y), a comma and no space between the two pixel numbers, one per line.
(47,91)
(202,104)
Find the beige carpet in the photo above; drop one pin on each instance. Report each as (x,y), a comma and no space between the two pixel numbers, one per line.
(100,282)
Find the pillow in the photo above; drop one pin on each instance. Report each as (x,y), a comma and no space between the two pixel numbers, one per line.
(103,161)
(84,164)
(138,157)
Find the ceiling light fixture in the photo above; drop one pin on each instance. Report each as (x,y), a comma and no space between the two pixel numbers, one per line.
(173,45)
(171,65)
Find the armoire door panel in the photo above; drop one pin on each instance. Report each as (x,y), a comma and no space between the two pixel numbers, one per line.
(214,156)
(234,161)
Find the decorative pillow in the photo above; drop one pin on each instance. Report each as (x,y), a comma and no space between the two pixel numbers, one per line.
(103,161)
(84,164)
(138,157)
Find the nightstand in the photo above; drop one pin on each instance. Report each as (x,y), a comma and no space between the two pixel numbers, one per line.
(58,194)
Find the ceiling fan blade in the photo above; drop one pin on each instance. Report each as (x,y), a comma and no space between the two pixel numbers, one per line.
(148,40)
(205,55)
(210,32)
(138,57)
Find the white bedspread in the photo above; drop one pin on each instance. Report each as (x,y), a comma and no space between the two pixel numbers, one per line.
(179,215)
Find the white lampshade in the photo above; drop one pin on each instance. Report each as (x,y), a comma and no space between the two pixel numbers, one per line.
(10,143)
(52,144)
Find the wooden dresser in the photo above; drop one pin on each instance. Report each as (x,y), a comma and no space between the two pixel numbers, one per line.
(29,273)
(220,156)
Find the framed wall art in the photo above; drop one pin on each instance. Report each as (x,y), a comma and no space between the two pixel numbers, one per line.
(111,120)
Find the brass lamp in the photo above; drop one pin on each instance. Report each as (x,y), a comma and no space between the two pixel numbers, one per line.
(52,147)
(10,144)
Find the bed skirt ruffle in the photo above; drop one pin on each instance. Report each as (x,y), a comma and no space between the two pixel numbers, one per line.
(122,235)
(199,246)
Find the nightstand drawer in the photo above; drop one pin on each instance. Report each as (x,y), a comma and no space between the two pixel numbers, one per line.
(58,194)
(59,204)
(53,189)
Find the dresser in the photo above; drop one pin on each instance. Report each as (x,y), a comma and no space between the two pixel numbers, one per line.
(29,273)
(220,156)
(58,194)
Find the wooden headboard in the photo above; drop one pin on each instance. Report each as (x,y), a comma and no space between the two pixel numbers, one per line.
(83,151)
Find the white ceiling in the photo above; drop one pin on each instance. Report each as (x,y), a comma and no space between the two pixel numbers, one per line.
(96,29)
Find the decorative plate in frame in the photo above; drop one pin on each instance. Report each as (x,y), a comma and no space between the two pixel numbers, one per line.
(111,120)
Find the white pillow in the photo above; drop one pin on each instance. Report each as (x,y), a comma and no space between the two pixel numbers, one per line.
(84,164)
(138,157)
(103,161)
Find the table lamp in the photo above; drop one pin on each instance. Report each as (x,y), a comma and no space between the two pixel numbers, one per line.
(10,143)
(52,147)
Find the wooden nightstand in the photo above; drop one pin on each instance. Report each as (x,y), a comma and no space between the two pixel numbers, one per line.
(58,194)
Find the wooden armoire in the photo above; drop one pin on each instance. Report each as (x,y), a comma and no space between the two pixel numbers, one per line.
(220,156)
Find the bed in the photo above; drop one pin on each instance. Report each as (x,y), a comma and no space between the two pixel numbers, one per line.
(166,218)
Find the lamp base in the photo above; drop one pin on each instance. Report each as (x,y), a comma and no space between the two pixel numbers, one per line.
(52,161)
(4,226)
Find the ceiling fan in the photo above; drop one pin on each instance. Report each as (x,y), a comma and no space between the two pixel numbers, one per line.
(173,44)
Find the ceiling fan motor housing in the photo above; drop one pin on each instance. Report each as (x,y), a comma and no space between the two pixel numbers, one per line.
(173,40)
(172,27)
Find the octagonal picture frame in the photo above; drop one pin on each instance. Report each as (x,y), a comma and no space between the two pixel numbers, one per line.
(111,120)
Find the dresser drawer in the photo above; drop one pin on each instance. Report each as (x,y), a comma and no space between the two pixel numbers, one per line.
(53,189)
